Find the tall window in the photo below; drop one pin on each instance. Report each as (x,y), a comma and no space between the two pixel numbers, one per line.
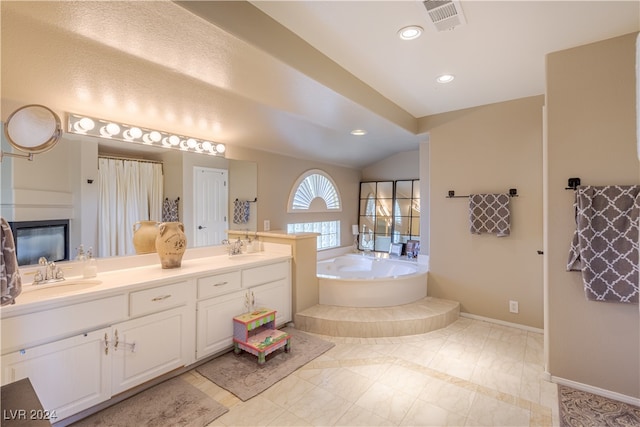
(389,213)
(315,191)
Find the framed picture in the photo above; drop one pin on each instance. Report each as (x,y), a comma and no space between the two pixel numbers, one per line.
(396,249)
(413,248)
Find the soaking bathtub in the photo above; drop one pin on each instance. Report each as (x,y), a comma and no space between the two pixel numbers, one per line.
(356,280)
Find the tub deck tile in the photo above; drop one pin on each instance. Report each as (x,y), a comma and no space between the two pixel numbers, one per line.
(425,315)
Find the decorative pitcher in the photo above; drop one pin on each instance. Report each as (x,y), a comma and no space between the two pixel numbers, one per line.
(144,236)
(171,243)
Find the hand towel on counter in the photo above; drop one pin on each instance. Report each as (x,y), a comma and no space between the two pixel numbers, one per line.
(10,281)
(490,213)
(605,243)
(241,209)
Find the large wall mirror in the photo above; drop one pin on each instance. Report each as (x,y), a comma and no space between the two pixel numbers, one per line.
(63,184)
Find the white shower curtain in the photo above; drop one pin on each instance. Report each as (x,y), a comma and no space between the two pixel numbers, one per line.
(130,191)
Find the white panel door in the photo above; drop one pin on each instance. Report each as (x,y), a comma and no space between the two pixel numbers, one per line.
(210,205)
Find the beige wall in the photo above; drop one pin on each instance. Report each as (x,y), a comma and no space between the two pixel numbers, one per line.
(404,165)
(276,176)
(486,150)
(591,134)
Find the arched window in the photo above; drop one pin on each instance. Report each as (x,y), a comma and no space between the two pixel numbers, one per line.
(314,191)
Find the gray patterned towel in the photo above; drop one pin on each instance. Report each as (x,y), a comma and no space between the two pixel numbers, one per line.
(170,210)
(10,281)
(241,210)
(490,213)
(605,243)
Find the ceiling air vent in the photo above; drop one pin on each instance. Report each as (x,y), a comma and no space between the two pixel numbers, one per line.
(444,14)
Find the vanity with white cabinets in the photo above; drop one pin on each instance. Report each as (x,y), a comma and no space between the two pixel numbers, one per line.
(82,347)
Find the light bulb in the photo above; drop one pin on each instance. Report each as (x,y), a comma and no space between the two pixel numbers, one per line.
(109,130)
(132,133)
(84,124)
(192,143)
(174,140)
(155,136)
(220,148)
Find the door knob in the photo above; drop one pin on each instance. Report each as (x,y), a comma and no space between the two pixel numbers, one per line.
(200,227)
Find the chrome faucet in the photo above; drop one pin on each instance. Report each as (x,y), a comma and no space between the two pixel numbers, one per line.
(52,273)
(235,247)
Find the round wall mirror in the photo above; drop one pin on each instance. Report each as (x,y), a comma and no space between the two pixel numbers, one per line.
(33,129)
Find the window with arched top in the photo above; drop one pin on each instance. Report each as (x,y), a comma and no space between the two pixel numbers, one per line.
(314,191)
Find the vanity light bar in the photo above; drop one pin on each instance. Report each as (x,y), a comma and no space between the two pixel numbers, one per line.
(84,125)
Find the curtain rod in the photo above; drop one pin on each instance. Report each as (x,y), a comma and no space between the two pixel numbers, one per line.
(132,159)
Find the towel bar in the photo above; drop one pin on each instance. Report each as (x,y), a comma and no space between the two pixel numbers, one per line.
(573,184)
(513,192)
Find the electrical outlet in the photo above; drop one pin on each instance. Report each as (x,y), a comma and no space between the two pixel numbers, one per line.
(513,306)
(267,225)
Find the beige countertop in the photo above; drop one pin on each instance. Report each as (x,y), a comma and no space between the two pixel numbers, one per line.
(76,289)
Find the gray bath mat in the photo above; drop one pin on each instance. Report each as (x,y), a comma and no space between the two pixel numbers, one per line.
(172,403)
(581,408)
(241,375)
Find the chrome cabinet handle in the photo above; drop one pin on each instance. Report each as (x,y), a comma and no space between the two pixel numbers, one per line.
(115,346)
(163,297)
(106,344)
(221,283)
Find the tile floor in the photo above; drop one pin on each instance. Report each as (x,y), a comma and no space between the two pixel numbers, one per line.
(470,373)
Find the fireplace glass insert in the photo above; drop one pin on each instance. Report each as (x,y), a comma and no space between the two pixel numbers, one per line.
(35,239)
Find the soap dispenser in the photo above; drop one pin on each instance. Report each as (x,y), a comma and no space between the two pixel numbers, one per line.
(90,268)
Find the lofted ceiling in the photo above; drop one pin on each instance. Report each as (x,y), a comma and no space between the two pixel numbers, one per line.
(290,77)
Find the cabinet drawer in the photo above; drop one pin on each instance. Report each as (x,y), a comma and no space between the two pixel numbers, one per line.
(218,284)
(264,274)
(51,324)
(157,299)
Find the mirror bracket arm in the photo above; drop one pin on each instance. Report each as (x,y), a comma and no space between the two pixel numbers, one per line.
(23,156)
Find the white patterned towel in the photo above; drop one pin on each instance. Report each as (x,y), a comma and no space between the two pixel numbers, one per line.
(490,213)
(605,243)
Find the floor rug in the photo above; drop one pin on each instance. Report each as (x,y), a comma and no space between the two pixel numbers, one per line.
(580,408)
(172,403)
(241,375)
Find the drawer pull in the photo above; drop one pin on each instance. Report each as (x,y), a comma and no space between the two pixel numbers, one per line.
(163,297)
(221,283)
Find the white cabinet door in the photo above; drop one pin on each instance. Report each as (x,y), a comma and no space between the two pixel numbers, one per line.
(275,295)
(144,348)
(215,322)
(68,376)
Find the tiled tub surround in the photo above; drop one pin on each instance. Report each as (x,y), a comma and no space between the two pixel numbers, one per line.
(425,315)
(470,373)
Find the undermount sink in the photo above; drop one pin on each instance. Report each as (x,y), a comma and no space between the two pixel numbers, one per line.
(63,287)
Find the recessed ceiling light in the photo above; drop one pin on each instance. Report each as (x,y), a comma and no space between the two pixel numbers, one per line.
(358,132)
(445,78)
(411,32)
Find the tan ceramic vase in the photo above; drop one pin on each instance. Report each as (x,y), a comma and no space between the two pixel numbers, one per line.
(144,236)
(171,244)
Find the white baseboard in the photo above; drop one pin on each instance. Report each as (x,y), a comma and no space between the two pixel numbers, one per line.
(597,390)
(503,323)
